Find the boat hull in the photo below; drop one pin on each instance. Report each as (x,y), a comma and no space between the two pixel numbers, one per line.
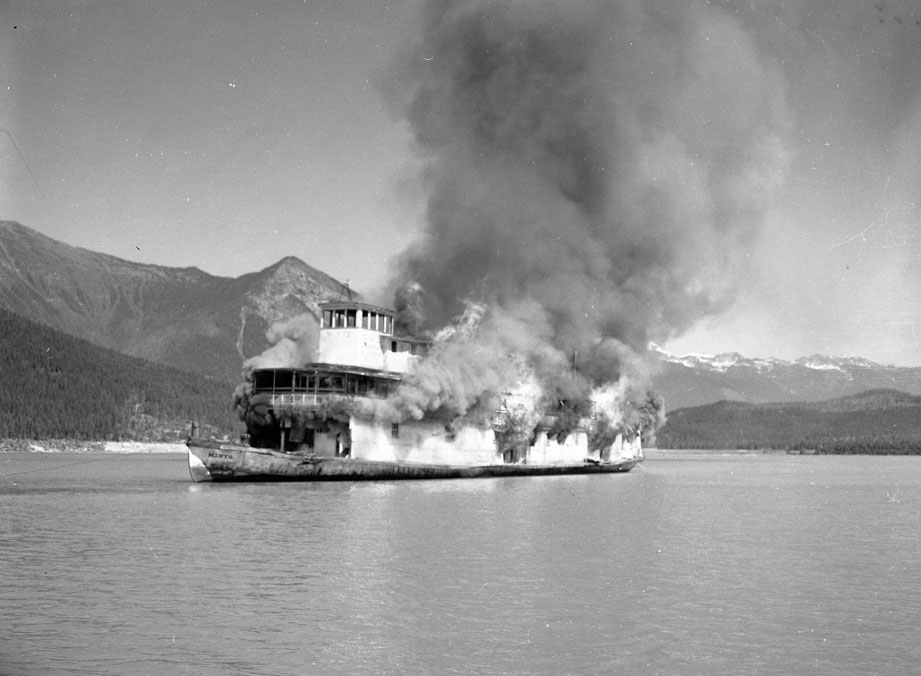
(216,461)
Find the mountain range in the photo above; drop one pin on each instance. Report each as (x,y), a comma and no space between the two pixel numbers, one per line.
(180,317)
(190,320)
(695,380)
(871,422)
(56,386)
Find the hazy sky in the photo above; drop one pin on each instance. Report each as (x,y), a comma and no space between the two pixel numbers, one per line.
(226,135)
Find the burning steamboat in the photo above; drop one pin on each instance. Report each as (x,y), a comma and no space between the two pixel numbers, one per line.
(334,419)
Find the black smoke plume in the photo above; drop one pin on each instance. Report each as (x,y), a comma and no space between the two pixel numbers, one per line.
(593,172)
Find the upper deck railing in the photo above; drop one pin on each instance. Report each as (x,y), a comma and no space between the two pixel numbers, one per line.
(288,399)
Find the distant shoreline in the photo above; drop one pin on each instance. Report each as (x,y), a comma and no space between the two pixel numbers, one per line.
(654,453)
(73,446)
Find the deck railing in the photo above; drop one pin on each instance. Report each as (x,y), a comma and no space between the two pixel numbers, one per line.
(290,399)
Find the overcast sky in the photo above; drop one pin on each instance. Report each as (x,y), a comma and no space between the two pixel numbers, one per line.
(227,135)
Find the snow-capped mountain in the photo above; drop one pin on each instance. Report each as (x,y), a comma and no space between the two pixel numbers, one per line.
(197,322)
(697,379)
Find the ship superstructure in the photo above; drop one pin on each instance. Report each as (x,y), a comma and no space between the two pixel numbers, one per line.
(333,418)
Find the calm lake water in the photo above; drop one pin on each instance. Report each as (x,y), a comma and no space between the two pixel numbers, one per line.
(699,564)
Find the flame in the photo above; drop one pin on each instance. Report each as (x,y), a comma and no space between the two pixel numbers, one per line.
(592,171)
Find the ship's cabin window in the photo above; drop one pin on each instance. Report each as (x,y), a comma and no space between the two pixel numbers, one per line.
(284,380)
(353,317)
(264,380)
(304,382)
(339,319)
(328,384)
(413,347)
(371,320)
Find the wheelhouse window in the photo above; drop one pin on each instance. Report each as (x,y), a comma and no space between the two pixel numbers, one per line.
(340,319)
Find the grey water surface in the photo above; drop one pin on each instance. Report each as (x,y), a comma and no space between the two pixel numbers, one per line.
(690,564)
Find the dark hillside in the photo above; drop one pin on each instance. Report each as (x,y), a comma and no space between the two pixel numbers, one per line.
(56,386)
(877,421)
(181,317)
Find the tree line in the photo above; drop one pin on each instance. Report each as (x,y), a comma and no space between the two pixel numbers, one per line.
(877,430)
(55,386)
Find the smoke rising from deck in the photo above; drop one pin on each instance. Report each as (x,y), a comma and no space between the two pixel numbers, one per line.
(593,173)
(293,343)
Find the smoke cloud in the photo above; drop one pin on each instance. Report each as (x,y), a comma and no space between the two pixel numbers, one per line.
(594,172)
(293,342)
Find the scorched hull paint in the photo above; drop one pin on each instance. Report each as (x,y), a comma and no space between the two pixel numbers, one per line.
(217,461)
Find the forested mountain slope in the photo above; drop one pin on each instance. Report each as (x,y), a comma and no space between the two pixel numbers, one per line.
(181,317)
(53,385)
(876,421)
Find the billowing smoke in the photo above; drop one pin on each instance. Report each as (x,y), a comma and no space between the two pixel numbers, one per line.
(594,172)
(292,343)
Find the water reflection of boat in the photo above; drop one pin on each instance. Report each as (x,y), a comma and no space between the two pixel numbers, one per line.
(329,420)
